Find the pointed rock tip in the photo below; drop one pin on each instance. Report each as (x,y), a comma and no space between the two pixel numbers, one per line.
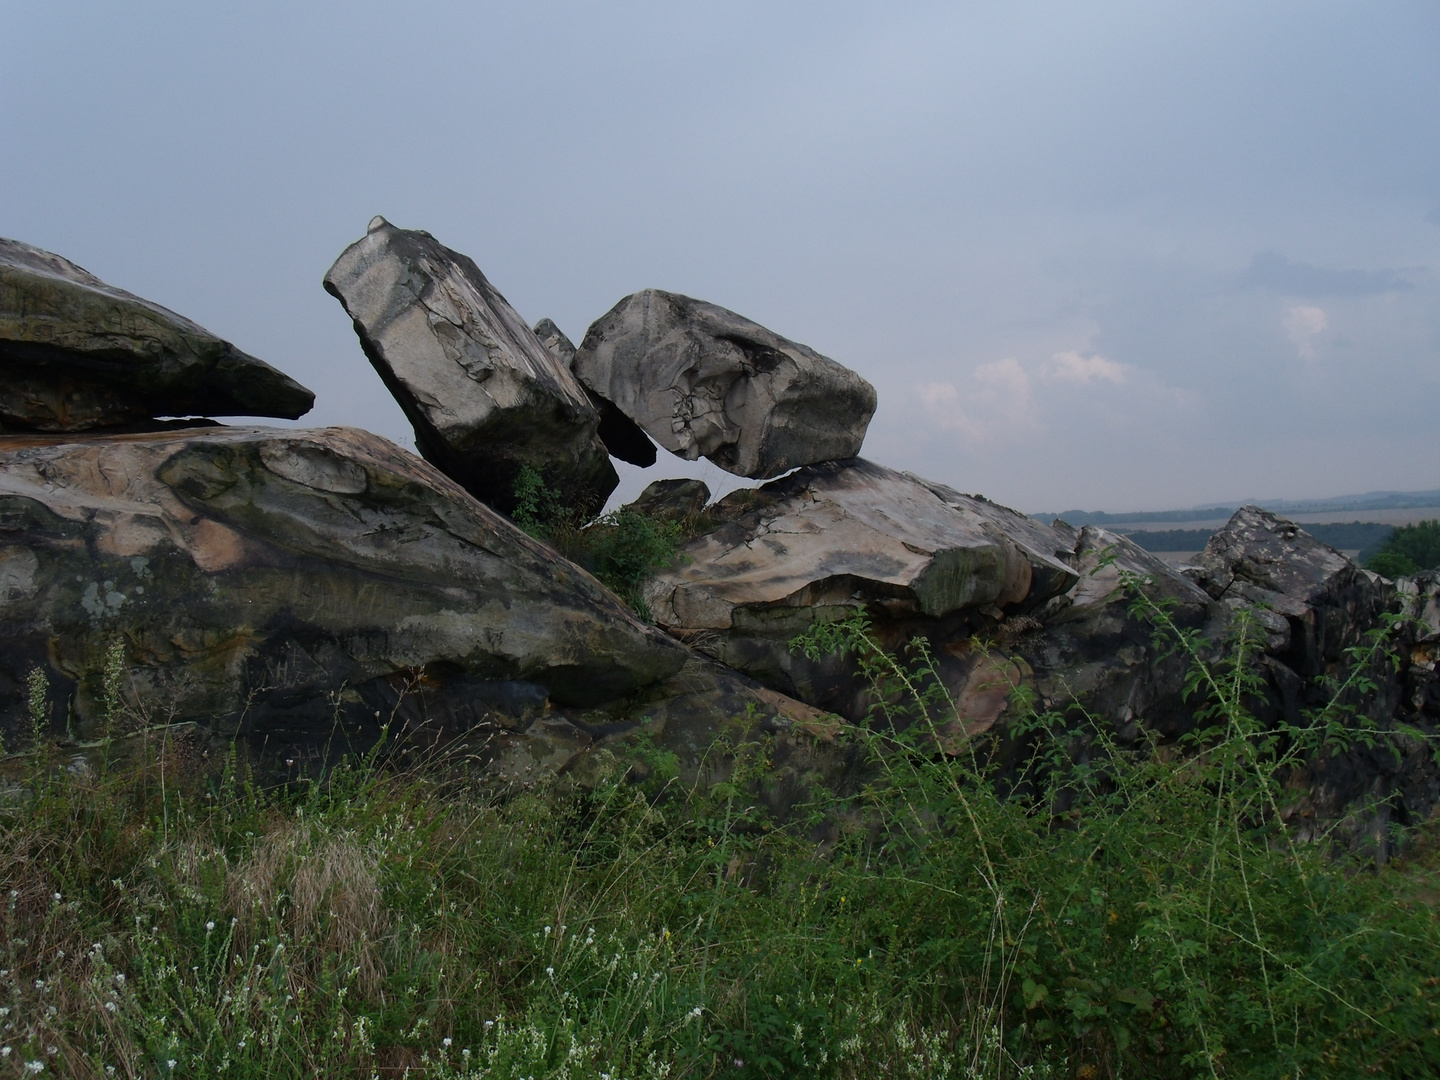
(376,222)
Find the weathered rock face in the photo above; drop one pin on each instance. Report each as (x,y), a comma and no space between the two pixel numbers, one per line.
(673,500)
(485,397)
(705,382)
(78,354)
(830,538)
(621,435)
(1313,602)
(286,579)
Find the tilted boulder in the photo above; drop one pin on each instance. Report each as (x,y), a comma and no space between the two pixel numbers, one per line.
(705,382)
(621,435)
(288,579)
(828,539)
(78,354)
(484,395)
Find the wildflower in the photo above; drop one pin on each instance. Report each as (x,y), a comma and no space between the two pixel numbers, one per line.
(120,978)
(170,1064)
(52,1050)
(110,1006)
(547,931)
(35,1066)
(57,897)
(209,926)
(39,984)
(550,971)
(489,1024)
(465,1053)
(4,1051)
(697,1010)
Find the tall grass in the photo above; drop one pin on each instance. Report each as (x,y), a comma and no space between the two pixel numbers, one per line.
(1115,913)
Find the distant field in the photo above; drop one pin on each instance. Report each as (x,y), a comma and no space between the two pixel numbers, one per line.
(1406,516)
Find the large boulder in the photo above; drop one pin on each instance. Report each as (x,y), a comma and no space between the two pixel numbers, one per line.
(1314,602)
(831,538)
(266,578)
(484,395)
(705,382)
(621,435)
(79,354)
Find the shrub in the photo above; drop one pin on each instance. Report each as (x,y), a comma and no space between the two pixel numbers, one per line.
(1407,550)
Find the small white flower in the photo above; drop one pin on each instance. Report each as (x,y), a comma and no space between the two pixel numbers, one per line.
(209,926)
(465,1053)
(39,984)
(4,1051)
(489,1024)
(170,1064)
(550,971)
(547,931)
(35,1066)
(52,1050)
(57,897)
(110,1006)
(120,978)
(445,1042)
(242,1044)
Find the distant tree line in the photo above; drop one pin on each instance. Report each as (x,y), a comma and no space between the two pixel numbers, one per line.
(1365,536)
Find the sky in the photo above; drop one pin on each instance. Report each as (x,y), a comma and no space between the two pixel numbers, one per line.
(1097,255)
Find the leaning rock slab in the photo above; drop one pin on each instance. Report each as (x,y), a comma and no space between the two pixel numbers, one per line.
(830,538)
(79,354)
(276,578)
(705,382)
(484,395)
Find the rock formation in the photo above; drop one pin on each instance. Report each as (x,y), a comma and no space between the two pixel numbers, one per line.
(705,382)
(484,395)
(78,354)
(621,435)
(289,579)
(831,538)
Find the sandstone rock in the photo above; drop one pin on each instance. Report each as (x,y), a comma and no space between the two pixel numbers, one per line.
(79,354)
(484,395)
(705,382)
(281,580)
(830,538)
(1269,564)
(673,500)
(621,435)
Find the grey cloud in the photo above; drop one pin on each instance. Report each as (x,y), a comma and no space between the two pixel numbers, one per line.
(1272,271)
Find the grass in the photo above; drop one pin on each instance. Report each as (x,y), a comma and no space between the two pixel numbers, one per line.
(1119,913)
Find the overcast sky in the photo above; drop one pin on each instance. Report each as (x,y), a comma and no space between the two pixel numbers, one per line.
(1096,255)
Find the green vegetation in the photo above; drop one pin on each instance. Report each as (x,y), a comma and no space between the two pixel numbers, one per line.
(167,918)
(1408,550)
(622,549)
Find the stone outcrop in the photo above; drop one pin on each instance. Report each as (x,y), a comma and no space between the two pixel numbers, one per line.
(288,580)
(78,354)
(831,538)
(484,395)
(621,435)
(672,500)
(1312,601)
(705,382)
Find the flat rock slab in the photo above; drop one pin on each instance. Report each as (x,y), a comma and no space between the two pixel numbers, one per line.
(854,532)
(486,398)
(828,539)
(78,354)
(288,579)
(705,382)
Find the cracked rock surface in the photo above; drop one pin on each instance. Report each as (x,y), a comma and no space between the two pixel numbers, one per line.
(486,398)
(79,354)
(705,382)
(285,580)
